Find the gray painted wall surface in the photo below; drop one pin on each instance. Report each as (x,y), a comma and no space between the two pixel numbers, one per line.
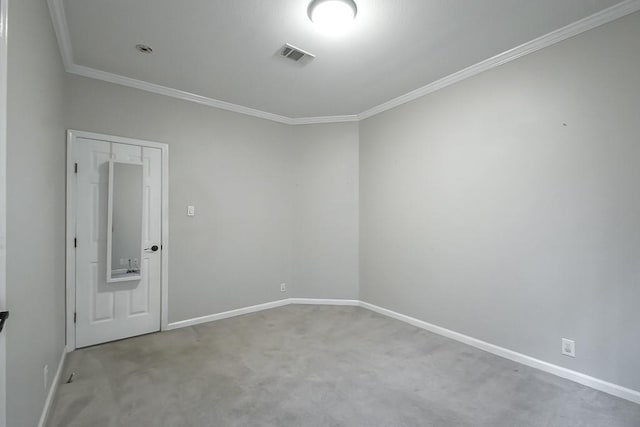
(252,183)
(35,209)
(325,262)
(481,212)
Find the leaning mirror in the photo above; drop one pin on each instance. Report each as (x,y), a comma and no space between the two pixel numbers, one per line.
(124,241)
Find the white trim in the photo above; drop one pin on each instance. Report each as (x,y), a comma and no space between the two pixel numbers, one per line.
(580,378)
(72,136)
(259,307)
(314,301)
(604,16)
(53,388)
(227,314)
(199,99)
(164,273)
(324,119)
(174,93)
(61,28)
(117,139)
(70,268)
(3,203)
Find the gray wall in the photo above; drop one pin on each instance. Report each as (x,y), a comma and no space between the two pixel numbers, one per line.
(325,262)
(252,182)
(36,209)
(481,212)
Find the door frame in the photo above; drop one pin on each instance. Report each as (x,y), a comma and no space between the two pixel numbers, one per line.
(72,139)
(4,7)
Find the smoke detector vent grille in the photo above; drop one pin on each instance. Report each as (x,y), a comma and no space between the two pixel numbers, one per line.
(295,54)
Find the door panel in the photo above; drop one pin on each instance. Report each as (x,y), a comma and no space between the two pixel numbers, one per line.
(152,233)
(3,203)
(110,311)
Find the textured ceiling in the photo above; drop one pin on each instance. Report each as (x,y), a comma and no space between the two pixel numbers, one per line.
(227,50)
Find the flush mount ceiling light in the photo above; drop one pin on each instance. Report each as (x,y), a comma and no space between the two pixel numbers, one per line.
(332,16)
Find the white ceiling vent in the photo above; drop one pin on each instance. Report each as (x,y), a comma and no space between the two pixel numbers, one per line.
(295,54)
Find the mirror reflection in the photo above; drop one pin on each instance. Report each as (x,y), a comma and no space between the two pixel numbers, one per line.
(125,205)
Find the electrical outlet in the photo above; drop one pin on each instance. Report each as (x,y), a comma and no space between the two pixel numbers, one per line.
(283,287)
(46,376)
(568,347)
(191,210)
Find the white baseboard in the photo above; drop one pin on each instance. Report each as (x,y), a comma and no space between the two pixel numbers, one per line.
(316,301)
(226,314)
(595,383)
(259,307)
(52,390)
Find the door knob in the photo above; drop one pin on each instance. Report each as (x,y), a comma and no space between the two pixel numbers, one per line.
(4,315)
(153,248)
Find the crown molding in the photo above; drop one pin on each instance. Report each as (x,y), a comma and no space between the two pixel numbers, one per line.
(58,17)
(325,119)
(604,16)
(61,28)
(81,70)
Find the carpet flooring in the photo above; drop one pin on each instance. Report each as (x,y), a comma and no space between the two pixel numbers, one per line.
(317,366)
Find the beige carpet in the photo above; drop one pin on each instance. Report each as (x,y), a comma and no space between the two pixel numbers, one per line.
(317,366)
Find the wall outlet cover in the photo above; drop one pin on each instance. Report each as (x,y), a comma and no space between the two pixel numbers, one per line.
(191,210)
(283,287)
(46,376)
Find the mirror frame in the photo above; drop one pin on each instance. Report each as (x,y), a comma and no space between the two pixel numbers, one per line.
(109,268)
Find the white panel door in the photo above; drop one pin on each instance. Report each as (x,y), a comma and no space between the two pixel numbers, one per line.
(111,311)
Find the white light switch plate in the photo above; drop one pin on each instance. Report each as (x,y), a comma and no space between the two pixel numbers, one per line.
(191,211)
(568,347)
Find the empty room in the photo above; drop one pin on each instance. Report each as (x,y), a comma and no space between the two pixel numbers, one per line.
(298,213)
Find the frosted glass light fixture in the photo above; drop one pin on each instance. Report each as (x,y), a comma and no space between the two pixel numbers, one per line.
(332,16)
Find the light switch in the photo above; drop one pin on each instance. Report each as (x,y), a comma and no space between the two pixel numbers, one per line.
(191,211)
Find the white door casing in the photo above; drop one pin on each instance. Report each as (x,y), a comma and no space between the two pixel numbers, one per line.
(3,203)
(109,311)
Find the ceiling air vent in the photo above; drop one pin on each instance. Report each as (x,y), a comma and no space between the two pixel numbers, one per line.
(295,54)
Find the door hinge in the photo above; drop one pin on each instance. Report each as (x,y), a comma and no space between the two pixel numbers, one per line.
(75,317)
(4,315)
(75,242)
(76,168)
